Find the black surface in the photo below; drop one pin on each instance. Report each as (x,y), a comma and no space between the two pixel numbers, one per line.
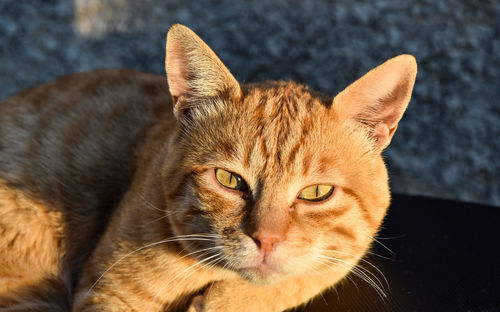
(444,257)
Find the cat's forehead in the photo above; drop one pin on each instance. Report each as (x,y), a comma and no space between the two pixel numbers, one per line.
(283,109)
(278,94)
(276,131)
(286,127)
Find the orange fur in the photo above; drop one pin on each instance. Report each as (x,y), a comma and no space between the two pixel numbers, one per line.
(108,196)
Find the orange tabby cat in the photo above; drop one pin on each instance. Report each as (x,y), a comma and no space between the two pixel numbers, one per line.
(252,197)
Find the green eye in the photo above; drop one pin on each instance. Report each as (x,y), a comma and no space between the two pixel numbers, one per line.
(231,180)
(316,193)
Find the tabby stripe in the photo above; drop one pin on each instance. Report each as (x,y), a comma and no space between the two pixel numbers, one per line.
(329,214)
(294,151)
(344,231)
(364,210)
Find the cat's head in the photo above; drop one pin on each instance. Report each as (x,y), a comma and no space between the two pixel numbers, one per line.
(272,180)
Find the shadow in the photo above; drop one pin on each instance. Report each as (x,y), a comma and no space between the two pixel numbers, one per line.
(441,260)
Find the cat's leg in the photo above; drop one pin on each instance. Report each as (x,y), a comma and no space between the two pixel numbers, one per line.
(105,301)
(127,282)
(47,295)
(242,296)
(132,298)
(31,278)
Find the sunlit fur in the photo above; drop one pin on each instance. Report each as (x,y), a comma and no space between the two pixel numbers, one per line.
(176,238)
(279,138)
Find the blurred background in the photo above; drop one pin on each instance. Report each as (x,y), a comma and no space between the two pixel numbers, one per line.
(448,143)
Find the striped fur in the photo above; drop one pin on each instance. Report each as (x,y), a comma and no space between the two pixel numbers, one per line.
(109,202)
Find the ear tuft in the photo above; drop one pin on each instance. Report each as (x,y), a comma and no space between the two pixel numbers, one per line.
(379,98)
(193,69)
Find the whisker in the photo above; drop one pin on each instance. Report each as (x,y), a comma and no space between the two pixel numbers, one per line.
(359,268)
(185,271)
(198,251)
(392,237)
(150,205)
(315,269)
(173,278)
(208,265)
(358,271)
(365,261)
(380,256)
(187,237)
(378,270)
(328,263)
(156,220)
(362,277)
(381,244)
(362,271)
(198,235)
(210,287)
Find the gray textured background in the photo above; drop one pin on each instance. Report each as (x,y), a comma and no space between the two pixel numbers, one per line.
(448,144)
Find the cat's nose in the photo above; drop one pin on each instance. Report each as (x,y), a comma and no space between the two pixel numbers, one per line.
(267,240)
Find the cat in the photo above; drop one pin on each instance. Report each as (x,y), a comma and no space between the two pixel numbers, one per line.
(127,191)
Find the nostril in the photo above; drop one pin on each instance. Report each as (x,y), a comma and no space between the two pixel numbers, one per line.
(267,241)
(257,242)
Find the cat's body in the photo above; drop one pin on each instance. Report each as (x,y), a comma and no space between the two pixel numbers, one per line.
(70,147)
(114,152)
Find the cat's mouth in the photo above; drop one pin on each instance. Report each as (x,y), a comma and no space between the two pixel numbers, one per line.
(263,272)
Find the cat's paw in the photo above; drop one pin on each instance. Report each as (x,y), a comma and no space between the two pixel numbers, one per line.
(197,304)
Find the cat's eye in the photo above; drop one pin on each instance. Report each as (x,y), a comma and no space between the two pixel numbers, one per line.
(316,193)
(231,180)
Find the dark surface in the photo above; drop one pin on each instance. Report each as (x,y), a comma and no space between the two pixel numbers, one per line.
(445,257)
(448,138)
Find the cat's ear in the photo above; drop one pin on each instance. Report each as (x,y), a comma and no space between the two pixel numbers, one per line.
(379,98)
(194,71)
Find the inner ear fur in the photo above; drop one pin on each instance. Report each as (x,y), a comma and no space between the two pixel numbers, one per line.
(379,98)
(194,71)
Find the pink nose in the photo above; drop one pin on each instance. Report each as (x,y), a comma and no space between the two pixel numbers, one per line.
(267,241)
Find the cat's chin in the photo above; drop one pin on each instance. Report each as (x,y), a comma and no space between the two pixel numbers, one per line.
(262,274)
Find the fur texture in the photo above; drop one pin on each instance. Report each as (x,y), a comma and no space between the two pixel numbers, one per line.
(109,201)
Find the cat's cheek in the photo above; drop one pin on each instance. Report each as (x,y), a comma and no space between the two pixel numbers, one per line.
(242,251)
